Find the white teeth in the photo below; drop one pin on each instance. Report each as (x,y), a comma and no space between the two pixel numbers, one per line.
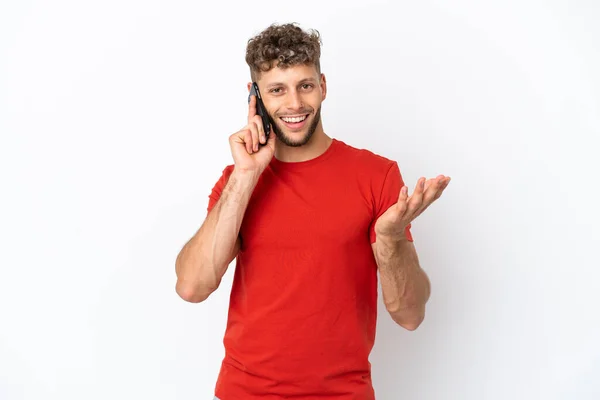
(294,119)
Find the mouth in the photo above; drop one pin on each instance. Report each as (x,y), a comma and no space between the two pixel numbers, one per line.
(296,122)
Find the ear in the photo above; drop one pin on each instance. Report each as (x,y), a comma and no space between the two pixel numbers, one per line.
(249,86)
(323,85)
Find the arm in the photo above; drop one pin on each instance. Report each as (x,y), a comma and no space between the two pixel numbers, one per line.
(405,286)
(204,259)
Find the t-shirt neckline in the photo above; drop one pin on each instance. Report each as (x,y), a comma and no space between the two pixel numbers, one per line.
(308,163)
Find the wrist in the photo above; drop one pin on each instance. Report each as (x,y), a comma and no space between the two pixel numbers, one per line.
(392,238)
(245,177)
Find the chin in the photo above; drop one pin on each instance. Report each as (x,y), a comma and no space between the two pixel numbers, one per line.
(294,139)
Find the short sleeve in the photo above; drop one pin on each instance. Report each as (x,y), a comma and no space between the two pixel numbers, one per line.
(390,191)
(215,194)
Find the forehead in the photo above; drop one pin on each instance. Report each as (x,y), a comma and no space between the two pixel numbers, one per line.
(289,76)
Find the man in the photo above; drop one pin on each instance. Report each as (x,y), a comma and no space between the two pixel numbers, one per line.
(310,221)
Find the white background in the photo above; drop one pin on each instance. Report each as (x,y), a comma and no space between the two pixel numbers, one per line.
(114,118)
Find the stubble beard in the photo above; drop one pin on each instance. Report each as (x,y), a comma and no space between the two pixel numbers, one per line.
(289,141)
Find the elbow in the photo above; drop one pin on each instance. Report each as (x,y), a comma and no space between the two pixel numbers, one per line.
(193,293)
(411,326)
(193,284)
(409,319)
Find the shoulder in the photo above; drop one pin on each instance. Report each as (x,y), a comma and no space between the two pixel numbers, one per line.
(368,160)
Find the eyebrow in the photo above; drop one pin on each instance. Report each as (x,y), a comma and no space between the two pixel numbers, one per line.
(299,83)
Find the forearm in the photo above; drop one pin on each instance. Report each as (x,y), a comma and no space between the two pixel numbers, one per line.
(204,259)
(405,286)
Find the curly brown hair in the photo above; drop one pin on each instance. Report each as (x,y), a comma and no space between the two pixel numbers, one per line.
(285,44)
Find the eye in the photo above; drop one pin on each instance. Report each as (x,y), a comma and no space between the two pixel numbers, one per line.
(306,86)
(275,90)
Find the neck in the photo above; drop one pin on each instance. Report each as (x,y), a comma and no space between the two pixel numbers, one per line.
(318,144)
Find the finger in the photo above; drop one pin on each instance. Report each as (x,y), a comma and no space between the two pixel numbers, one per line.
(271,140)
(248,140)
(402,204)
(432,189)
(416,200)
(403,195)
(443,186)
(428,184)
(438,184)
(261,129)
(251,108)
(434,181)
(254,132)
(434,192)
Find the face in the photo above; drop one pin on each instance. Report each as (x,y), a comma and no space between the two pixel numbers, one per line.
(293,97)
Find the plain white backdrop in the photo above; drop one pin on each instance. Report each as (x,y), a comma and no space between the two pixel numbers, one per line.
(114,118)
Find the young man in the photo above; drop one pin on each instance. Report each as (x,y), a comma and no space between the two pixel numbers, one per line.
(311,221)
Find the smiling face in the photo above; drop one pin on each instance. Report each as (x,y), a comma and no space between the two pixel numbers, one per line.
(293,97)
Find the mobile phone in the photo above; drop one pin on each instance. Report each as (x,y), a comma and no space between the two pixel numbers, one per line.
(260,110)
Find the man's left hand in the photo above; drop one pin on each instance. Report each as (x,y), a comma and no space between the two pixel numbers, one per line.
(394,221)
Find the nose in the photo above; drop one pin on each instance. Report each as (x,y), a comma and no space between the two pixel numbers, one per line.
(295,101)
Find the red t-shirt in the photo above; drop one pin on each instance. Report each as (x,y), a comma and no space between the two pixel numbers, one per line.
(303,305)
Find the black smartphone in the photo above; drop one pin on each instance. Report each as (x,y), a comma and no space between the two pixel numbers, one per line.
(260,109)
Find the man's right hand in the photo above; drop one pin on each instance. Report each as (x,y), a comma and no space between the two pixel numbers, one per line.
(247,154)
